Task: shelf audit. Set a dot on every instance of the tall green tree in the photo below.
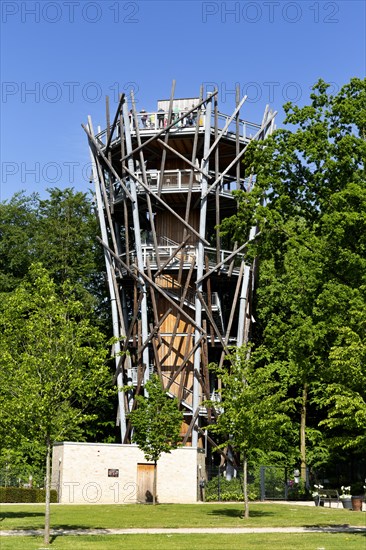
(18, 226)
(309, 202)
(53, 366)
(156, 424)
(60, 231)
(66, 242)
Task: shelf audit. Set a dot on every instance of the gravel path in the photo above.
(186, 530)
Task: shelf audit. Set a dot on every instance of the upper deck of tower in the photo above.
(176, 150)
(185, 122)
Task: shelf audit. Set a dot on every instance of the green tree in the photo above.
(53, 367)
(254, 410)
(66, 243)
(156, 423)
(309, 202)
(60, 232)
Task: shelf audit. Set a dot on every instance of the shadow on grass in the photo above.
(238, 513)
(337, 528)
(58, 531)
(8, 515)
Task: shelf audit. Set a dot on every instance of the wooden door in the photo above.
(145, 482)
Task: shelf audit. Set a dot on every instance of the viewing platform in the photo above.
(178, 181)
(184, 257)
(149, 123)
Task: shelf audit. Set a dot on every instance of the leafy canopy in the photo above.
(254, 406)
(156, 421)
(52, 363)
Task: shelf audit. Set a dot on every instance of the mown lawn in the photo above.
(195, 515)
(272, 541)
(175, 515)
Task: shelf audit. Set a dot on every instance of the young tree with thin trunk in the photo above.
(254, 408)
(156, 424)
(52, 366)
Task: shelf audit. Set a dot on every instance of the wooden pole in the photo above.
(211, 319)
(138, 246)
(231, 268)
(163, 158)
(154, 331)
(200, 262)
(217, 194)
(228, 122)
(182, 157)
(108, 263)
(190, 427)
(144, 177)
(209, 300)
(172, 255)
(108, 123)
(153, 299)
(94, 144)
(191, 176)
(232, 312)
(114, 124)
(237, 134)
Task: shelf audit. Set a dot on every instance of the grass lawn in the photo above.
(274, 541)
(126, 516)
(173, 515)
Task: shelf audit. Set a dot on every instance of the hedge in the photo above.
(227, 490)
(25, 494)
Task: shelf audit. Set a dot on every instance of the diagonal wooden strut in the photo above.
(94, 145)
(115, 120)
(228, 258)
(239, 155)
(165, 205)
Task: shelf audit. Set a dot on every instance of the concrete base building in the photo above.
(93, 473)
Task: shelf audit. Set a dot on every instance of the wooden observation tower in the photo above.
(164, 183)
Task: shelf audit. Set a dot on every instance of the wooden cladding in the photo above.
(167, 225)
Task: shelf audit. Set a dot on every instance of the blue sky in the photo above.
(59, 59)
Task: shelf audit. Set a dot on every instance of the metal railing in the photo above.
(133, 373)
(172, 179)
(155, 121)
(176, 180)
(185, 254)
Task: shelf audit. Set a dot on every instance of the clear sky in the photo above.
(60, 58)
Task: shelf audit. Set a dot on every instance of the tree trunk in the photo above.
(48, 494)
(245, 485)
(154, 484)
(302, 432)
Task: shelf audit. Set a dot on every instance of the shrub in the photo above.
(219, 488)
(298, 491)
